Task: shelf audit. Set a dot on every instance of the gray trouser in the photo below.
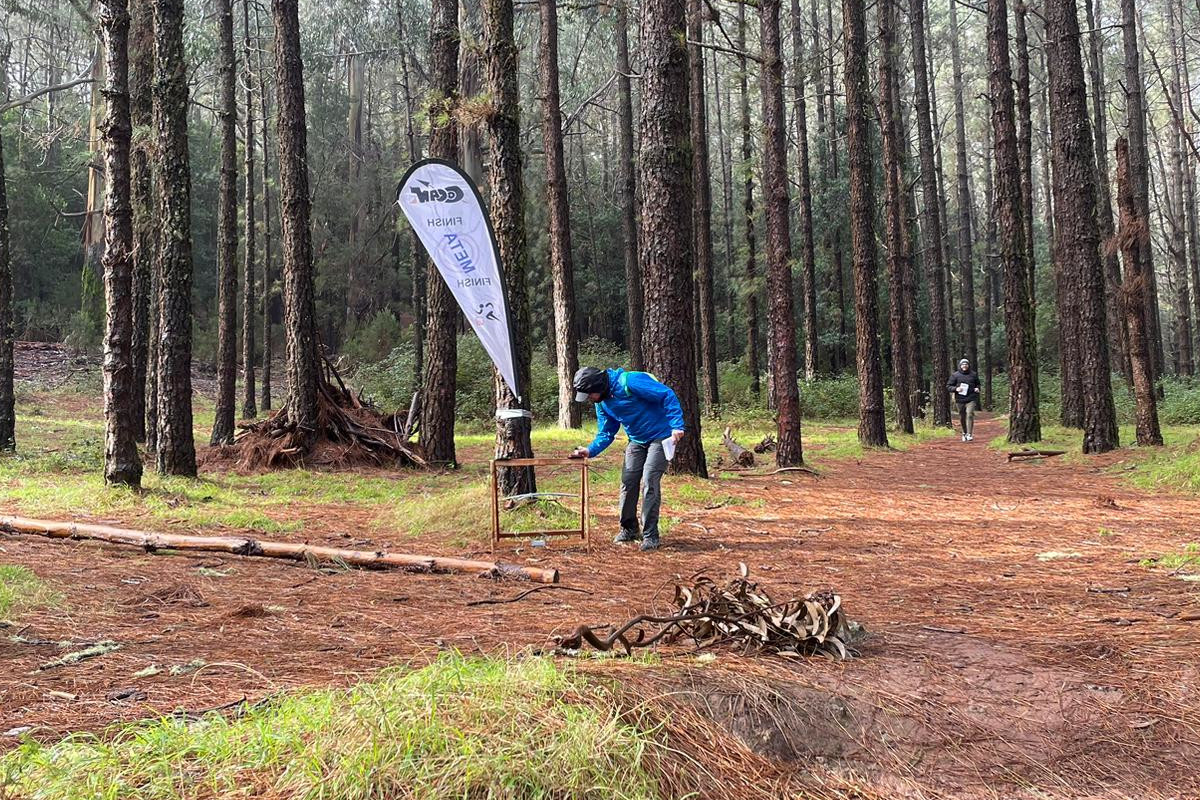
(966, 417)
(644, 465)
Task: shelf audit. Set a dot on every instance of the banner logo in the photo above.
(428, 193)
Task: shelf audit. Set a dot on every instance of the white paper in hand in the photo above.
(669, 448)
(963, 388)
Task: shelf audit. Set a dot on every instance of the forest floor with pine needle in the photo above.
(1034, 628)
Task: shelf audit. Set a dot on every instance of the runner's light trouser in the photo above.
(966, 417)
(644, 468)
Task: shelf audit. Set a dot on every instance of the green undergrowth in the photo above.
(1173, 467)
(1186, 560)
(458, 728)
(21, 591)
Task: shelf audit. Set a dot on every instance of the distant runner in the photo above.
(965, 386)
(653, 421)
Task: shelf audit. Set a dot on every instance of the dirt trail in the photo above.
(988, 670)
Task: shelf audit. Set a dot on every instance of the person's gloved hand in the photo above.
(579, 452)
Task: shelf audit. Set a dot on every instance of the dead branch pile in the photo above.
(738, 612)
(767, 445)
(351, 431)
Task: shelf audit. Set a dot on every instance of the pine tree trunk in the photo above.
(897, 229)
(989, 267)
(176, 447)
(966, 265)
(931, 226)
(507, 199)
(1134, 236)
(303, 366)
(872, 421)
(1104, 210)
(8, 414)
(780, 309)
(355, 307)
(818, 70)
(628, 193)
(954, 335)
(1024, 423)
(725, 147)
(417, 258)
(122, 464)
(1178, 214)
(562, 268)
(836, 231)
(913, 322)
(1139, 174)
(265, 396)
(809, 263)
(141, 74)
(1024, 110)
(441, 311)
(666, 235)
(222, 432)
(249, 304)
(1193, 228)
(750, 272)
(1077, 245)
(702, 205)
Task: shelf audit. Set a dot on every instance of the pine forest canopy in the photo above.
(776, 190)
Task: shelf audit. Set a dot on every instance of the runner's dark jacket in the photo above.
(969, 378)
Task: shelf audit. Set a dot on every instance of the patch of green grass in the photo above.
(460, 727)
(1186, 560)
(21, 590)
(1175, 466)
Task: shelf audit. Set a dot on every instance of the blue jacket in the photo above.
(649, 410)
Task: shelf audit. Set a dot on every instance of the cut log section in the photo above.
(1029, 454)
(246, 546)
(741, 456)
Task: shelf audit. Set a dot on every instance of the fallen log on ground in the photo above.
(1031, 454)
(294, 551)
(741, 456)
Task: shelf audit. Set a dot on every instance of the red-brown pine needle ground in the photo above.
(987, 671)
